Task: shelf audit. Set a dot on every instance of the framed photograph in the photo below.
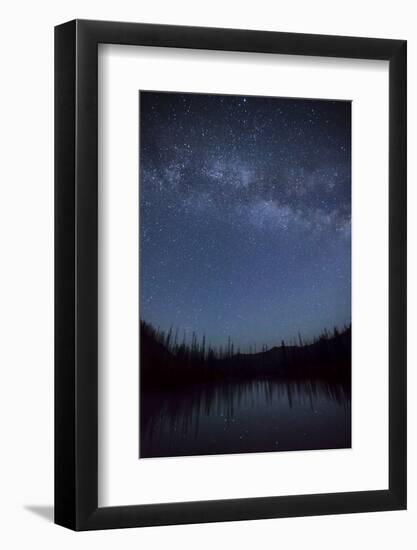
(230, 255)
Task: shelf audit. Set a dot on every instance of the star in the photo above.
(245, 214)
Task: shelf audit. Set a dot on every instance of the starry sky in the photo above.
(245, 216)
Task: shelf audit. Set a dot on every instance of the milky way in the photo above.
(245, 216)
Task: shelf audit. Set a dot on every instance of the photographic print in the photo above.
(245, 274)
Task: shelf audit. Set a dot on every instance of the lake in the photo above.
(255, 416)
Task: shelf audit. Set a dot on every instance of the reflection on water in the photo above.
(256, 416)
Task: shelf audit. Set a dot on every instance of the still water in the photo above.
(256, 416)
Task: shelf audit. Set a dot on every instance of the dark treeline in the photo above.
(168, 360)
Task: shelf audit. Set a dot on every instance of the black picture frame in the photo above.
(76, 271)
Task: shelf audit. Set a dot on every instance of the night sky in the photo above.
(245, 216)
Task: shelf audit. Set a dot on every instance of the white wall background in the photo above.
(26, 272)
